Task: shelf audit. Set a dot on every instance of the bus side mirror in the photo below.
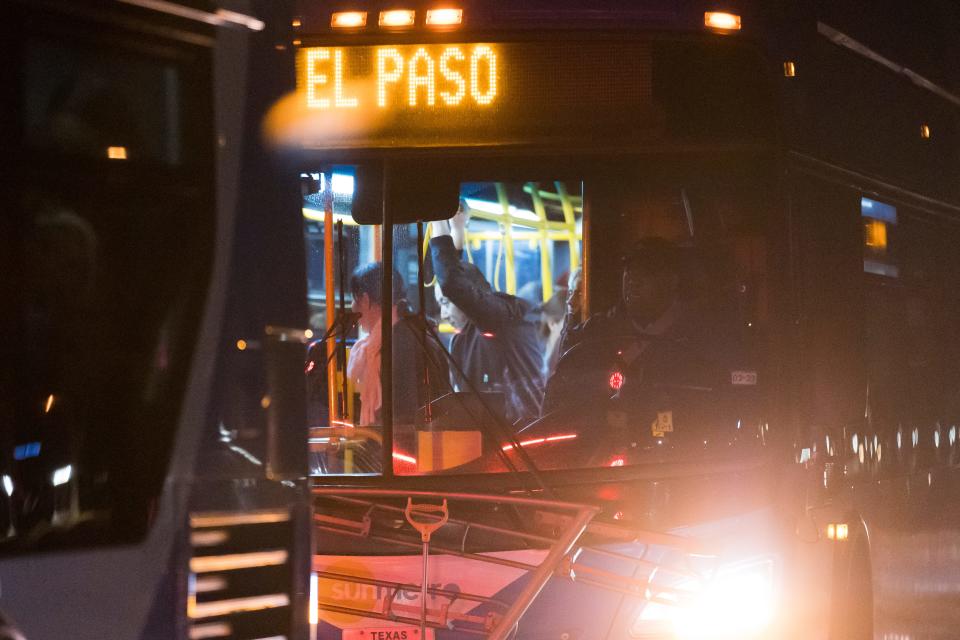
(286, 403)
(419, 191)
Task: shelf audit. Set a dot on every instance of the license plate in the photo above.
(387, 633)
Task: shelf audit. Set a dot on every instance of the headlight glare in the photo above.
(739, 603)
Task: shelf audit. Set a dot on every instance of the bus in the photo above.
(671, 299)
(768, 450)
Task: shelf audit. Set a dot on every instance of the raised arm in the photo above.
(463, 284)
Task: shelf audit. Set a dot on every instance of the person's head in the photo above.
(651, 278)
(450, 312)
(367, 295)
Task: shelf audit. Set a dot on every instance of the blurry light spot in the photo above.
(936, 438)
(265, 402)
(62, 475)
(117, 153)
(48, 404)
(854, 442)
(838, 531)
(616, 380)
(404, 458)
(26, 451)
(314, 600)
(875, 234)
(308, 334)
(861, 454)
(618, 515)
(789, 69)
(342, 184)
(241, 345)
(8, 484)
(925, 131)
(297, 43)
(296, 23)
(953, 435)
(242, 19)
(618, 461)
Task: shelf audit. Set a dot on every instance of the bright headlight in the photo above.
(738, 603)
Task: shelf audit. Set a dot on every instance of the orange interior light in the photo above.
(397, 18)
(875, 234)
(348, 19)
(721, 21)
(444, 17)
(117, 153)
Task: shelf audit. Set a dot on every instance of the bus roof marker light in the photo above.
(397, 18)
(444, 17)
(348, 20)
(721, 21)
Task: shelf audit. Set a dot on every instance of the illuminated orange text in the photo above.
(400, 76)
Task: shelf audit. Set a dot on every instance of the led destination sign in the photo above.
(610, 92)
(446, 76)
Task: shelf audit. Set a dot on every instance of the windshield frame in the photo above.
(498, 164)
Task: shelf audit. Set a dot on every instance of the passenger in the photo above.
(411, 362)
(650, 307)
(496, 344)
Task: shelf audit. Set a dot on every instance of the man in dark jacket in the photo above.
(651, 333)
(496, 344)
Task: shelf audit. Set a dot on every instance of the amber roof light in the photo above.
(396, 18)
(721, 21)
(444, 17)
(348, 20)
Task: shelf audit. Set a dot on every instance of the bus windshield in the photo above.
(611, 318)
